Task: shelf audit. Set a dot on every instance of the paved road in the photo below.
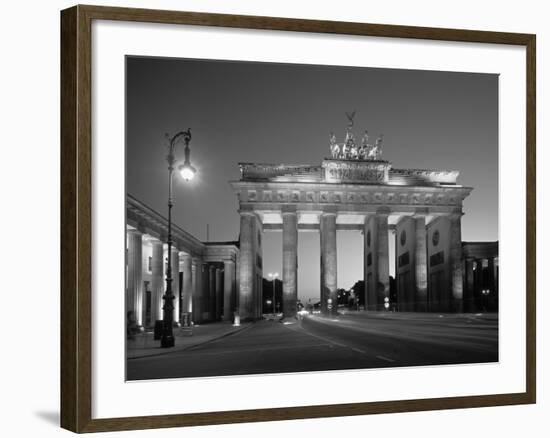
(348, 341)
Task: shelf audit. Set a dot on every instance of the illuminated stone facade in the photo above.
(206, 282)
(365, 195)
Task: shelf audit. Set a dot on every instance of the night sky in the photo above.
(283, 113)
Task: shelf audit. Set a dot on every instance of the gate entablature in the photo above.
(268, 196)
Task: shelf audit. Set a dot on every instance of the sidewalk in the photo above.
(143, 345)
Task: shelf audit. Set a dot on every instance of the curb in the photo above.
(225, 335)
(189, 347)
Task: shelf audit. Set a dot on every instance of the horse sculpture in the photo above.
(376, 151)
(334, 148)
(349, 150)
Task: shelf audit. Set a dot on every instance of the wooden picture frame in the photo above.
(76, 217)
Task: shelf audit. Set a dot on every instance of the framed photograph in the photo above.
(269, 218)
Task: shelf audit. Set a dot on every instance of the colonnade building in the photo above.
(206, 284)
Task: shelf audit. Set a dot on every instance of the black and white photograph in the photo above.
(291, 218)
(275, 219)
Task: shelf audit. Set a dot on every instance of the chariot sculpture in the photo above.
(350, 150)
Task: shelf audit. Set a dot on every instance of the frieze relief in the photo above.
(351, 171)
(351, 197)
(281, 196)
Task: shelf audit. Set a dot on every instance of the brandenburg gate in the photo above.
(355, 189)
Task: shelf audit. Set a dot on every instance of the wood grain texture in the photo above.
(68, 347)
(531, 218)
(76, 222)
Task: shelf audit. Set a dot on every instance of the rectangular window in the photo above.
(150, 264)
(437, 258)
(369, 259)
(403, 259)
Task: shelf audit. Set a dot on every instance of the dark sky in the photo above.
(283, 113)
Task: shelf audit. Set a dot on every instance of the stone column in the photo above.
(290, 263)
(421, 265)
(491, 276)
(175, 261)
(328, 263)
(491, 284)
(134, 292)
(186, 288)
(228, 289)
(211, 292)
(383, 260)
(219, 294)
(157, 280)
(456, 263)
(469, 305)
(369, 246)
(246, 264)
(197, 300)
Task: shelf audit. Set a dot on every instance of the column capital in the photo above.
(456, 214)
(329, 210)
(383, 211)
(421, 213)
(134, 231)
(154, 241)
(288, 209)
(246, 209)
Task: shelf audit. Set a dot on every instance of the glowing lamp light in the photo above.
(187, 171)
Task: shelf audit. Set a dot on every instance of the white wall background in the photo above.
(29, 181)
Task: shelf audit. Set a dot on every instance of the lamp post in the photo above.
(273, 276)
(187, 172)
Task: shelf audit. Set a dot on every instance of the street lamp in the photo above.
(187, 172)
(273, 276)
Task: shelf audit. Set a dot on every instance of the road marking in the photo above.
(320, 337)
(385, 358)
(358, 350)
(255, 349)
